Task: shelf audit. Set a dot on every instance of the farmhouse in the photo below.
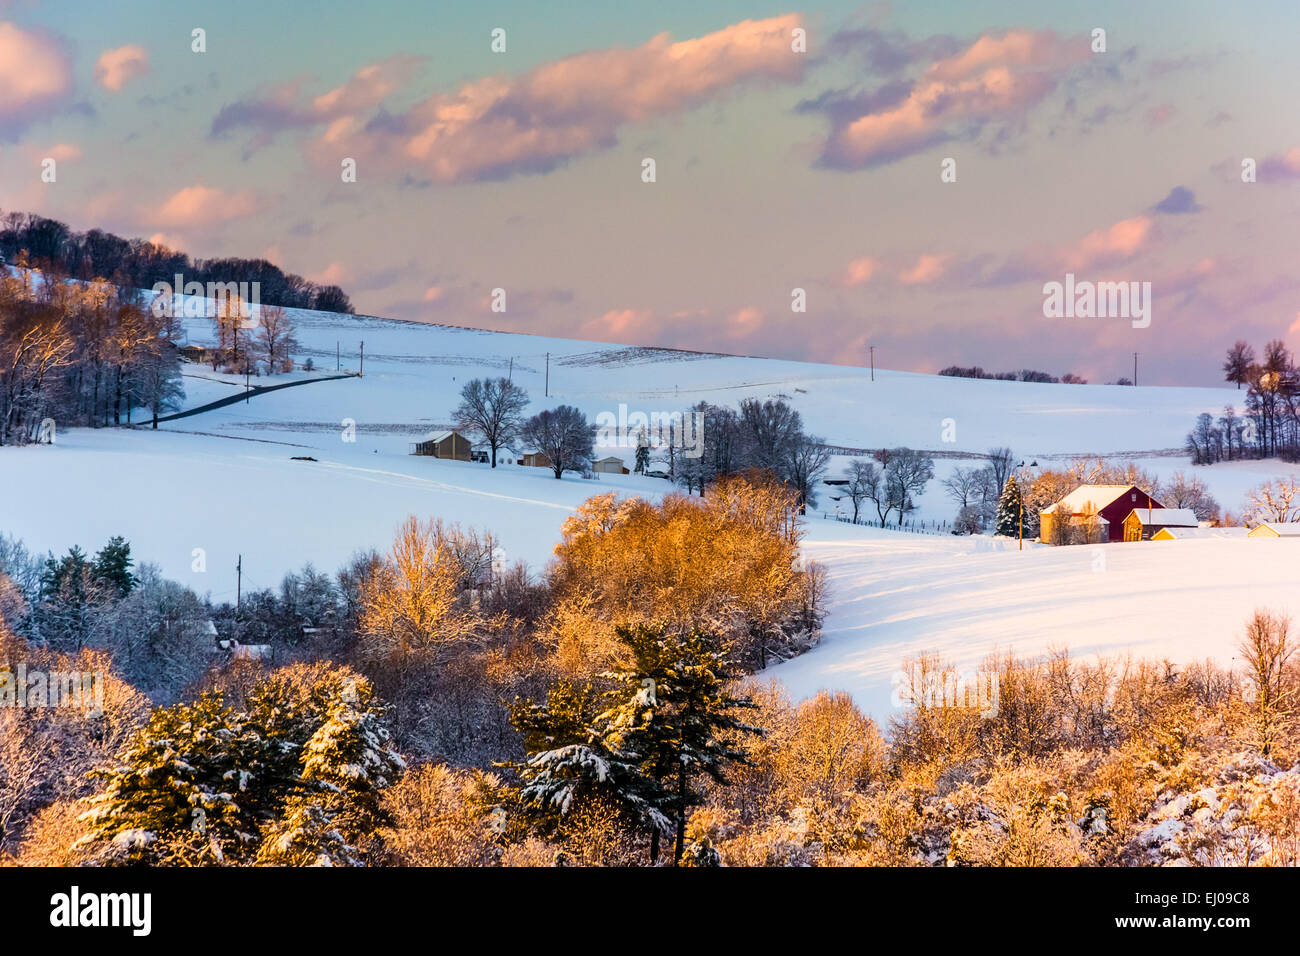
(1276, 529)
(613, 465)
(446, 444)
(1142, 523)
(1110, 503)
(196, 354)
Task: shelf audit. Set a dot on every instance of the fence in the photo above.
(912, 527)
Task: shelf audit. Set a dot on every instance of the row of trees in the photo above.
(1270, 423)
(764, 435)
(27, 238)
(80, 354)
(1023, 375)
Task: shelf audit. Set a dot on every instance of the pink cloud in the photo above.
(35, 73)
(501, 126)
(115, 68)
(997, 77)
(1284, 166)
(282, 107)
(927, 269)
(199, 205)
(1160, 115)
(859, 272)
(1117, 243)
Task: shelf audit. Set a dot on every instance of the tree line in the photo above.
(29, 239)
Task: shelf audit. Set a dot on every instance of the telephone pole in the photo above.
(1135, 369)
(548, 375)
(361, 373)
(872, 350)
(239, 579)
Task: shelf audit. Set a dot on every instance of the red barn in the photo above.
(1112, 504)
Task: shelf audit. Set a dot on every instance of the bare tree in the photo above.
(865, 482)
(1267, 649)
(274, 339)
(564, 435)
(1237, 366)
(492, 407)
(805, 463)
(1277, 500)
(1000, 460)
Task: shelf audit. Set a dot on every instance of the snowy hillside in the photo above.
(225, 482)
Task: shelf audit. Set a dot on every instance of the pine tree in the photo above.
(1008, 518)
(569, 761)
(113, 565)
(672, 710)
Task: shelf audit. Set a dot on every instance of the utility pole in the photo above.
(548, 375)
(511, 373)
(338, 357)
(239, 579)
(247, 369)
(872, 350)
(1135, 369)
(361, 373)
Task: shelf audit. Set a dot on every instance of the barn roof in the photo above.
(439, 436)
(1179, 517)
(609, 458)
(1191, 533)
(1099, 496)
(1284, 529)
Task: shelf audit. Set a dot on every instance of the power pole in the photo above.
(361, 373)
(511, 373)
(1135, 369)
(239, 579)
(872, 350)
(338, 357)
(548, 375)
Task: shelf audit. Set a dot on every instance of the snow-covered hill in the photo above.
(201, 490)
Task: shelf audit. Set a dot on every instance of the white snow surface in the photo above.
(202, 490)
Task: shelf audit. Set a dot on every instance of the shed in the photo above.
(1276, 529)
(445, 444)
(613, 465)
(1142, 523)
(1191, 534)
(536, 459)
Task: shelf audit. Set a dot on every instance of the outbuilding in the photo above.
(1276, 529)
(1142, 523)
(446, 444)
(613, 465)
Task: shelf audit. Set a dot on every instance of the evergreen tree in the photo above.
(569, 761)
(642, 453)
(1008, 518)
(113, 565)
(671, 709)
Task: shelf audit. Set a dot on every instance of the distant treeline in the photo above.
(138, 263)
(1024, 375)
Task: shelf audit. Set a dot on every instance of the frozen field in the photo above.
(225, 482)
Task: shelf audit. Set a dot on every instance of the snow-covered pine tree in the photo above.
(1007, 522)
(113, 565)
(569, 761)
(672, 709)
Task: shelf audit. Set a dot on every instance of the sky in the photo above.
(793, 148)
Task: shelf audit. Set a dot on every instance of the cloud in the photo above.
(1109, 246)
(284, 107)
(1283, 167)
(200, 205)
(35, 74)
(1158, 116)
(927, 269)
(1180, 201)
(498, 126)
(859, 272)
(997, 78)
(115, 68)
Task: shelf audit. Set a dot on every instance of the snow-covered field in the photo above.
(225, 482)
